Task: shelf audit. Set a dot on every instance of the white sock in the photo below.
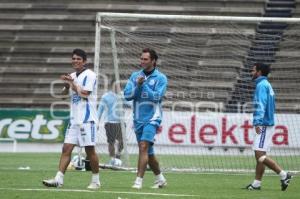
(256, 183)
(160, 177)
(95, 178)
(59, 177)
(282, 174)
(138, 180)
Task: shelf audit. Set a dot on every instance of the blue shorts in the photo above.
(146, 133)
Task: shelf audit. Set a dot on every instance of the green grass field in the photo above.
(15, 183)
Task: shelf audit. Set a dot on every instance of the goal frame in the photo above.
(100, 15)
(99, 27)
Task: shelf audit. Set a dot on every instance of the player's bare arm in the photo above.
(65, 89)
(70, 81)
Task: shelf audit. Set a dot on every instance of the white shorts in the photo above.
(81, 135)
(262, 141)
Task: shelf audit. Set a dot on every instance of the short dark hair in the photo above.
(264, 68)
(81, 53)
(153, 54)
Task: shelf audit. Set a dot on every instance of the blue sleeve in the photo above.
(132, 90)
(127, 104)
(101, 108)
(157, 94)
(261, 98)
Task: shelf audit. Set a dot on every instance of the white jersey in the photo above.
(83, 110)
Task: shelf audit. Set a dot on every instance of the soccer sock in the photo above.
(282, 174)
(160, 177)
(138, 180)
(59, 177)
(256, 183)
(95, 178)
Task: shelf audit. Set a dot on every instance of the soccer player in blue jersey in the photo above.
(146, 88)
(263, 122)
(110, 108)
(83, 119)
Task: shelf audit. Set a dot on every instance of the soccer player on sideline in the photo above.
(263, 121)
(146, 88)
(83, 118)
(110, 105)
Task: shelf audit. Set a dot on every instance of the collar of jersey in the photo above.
(152, 74)
(259, 79)
(77, 74)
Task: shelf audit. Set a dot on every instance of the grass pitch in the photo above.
(16, 183)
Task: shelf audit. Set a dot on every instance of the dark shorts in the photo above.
(113, 132)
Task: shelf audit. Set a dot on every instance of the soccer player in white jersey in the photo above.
(263, 122)
(83, 117)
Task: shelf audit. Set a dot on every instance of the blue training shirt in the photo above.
(109, 105)
(146, 98)
(264, 103)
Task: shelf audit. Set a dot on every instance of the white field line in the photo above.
(100, 191)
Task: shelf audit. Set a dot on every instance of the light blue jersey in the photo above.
(264, 103)
(146, 98)
(109, 105)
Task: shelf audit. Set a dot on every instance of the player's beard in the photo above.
(254, 76)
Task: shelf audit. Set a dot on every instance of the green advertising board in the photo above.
(33, 125)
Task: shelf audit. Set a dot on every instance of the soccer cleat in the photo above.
(52, 183)
(137, 185)
(251, 187)
(159, 184)
(94, 186)
(286, 181)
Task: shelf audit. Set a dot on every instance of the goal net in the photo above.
(207, 120)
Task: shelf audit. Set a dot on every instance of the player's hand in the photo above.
(66, 78)
(257, 130)
(140, 80)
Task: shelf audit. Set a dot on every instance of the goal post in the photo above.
(207, 120)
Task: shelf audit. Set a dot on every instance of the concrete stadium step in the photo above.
(46, 30)
(272, 26)
(16, 6)
(270, 32)
(190, 7)
(204, 84)
(13, 92)
(35, 70)
(281, 3)
(292, 53)
(264, 47)
(200, 94)
(264, 42)
(286, 84)
(287, 99)
(287, 65)
(278, 13)
(24, 80)
(266, 53)
(26, 102)
(288, 108)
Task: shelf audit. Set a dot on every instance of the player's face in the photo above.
(146, 62)
(77, 62)
(255, 73)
